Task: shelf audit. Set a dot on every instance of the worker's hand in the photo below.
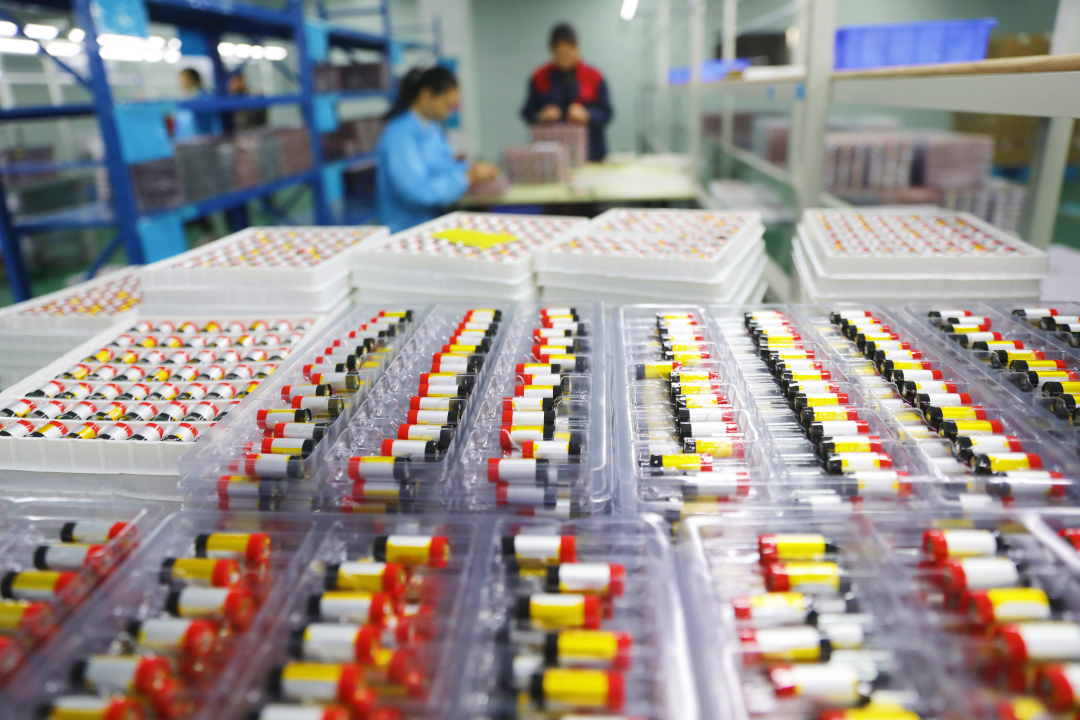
(549, 113)
(482, 172)
(577, 113)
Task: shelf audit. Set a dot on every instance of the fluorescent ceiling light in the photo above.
(8, 29)
(172, 56)
(152, 55)
(121, 41)
(40, 32)
(226, 49)
(77, 35)
(629, 7)
(61, 48)
(111, 52)
(257, 52)
(243, 51)
(276, 53)
(155, 42)
(173, 44)
(18, 46)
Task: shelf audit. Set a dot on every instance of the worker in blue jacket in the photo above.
(568, 90)
(417, 175)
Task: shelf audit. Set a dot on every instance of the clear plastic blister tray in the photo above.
(402, 637)
(607, 640)
(696, 246)
(539, 443)
(54, 555)
(212, 359)
(179, 625)
(302, 259)
(1046, 319)
(1043, 375)
(692, 447)
(965, 433)
(901, 243)
(792, 618)
(215, 473)
(396, 452)
(489, 247)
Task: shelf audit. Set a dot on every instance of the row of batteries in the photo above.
(812, 634)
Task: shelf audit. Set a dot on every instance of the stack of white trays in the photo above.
(891, 255)
(36, 332)
(294, 269)
(643, 255)
(457, 257)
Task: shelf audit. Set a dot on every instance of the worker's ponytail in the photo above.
(437, 78)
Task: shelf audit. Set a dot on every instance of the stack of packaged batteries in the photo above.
(795, 619)
(36, 332)
(300, 269)
(55, 556)
(684, 439)
(397, 451)
(168, 637)
(657, 255)
(572, 136)
(576, 621)
(539, 444)
(538, 162)
(980, 446)
(896, 257)
(267, 455)
(123, 407)
(458, 256)
(1033, 366)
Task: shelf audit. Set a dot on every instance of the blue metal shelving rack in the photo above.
(213, 18)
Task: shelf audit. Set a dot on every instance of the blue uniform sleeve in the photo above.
(414, 181)
(534, 103)
(600, 112)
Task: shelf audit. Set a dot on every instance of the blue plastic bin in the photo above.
(916, 43)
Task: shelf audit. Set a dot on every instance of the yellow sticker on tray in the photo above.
(474, 238)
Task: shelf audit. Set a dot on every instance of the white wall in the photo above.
(512, 40)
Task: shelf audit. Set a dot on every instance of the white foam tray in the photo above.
(895, 292)
(165, 274)
(369, 259)
(1035, 264)
(495, 286)
(651, 268)
(13, 321)
(525, 293)
(960, 286)
(750, 257)
(103, 458)
(246, 299)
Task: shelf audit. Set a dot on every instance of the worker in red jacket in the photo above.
(568, 90)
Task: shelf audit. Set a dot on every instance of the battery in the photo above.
(270, 466)
(335, 643)
(235, 605)
(850, 462)
(200, 572)
(92, 707)
(715, 486)
(426, 550)
(43, 585)
(303, 431)
(850, 444)
(268, 419)
(324, 683)
(441, 436)
(833, 683)
(1037, 642)
(366, 608)
(322, 406)
(1004, 462)
(787, 547)
(379, 468)
(604, 579)
(534, 550)
(22, 617)
(73, 556)
(367, 577)
(806, 577)
(563, 690)
(1000, 605)
(944, 544)
(558, 611)
(550, 449)
(954, 428)
(194, 639)
(980, 573)
(117, 431)
(145, 675)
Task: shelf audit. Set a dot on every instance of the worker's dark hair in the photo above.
(438, 79)
(193, 75)
(563, 33)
